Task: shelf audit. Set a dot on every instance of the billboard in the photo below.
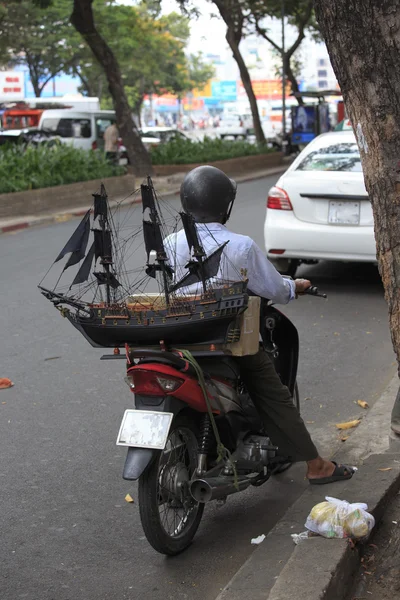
(265, 89)
(11, 86)
(225, 90)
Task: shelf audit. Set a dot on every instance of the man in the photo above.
(111, 143)
(208, 195)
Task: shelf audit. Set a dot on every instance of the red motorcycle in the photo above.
(189, 444)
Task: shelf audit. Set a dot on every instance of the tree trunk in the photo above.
(34, 81)
(293, 81)
(363, 40)
(83, 21)
(246, 80)
(137, 109)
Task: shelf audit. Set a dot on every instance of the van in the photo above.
(80, 129)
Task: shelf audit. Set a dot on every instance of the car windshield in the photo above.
(337, 157)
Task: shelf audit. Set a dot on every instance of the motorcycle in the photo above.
(189, 445)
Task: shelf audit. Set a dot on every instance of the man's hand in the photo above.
(302, 285)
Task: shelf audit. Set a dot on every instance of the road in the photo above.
(67, 532)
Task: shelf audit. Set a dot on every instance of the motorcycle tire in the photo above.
(286, 465)
(165, 485)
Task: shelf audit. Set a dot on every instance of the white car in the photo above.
(319, 208)
(236, 126)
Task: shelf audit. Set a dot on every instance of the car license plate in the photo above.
(344, 213)
(144, 429)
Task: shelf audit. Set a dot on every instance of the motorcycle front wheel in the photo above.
(169, 515)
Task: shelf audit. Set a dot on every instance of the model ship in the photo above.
(198, 308)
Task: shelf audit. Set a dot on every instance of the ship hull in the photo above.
(215, 322)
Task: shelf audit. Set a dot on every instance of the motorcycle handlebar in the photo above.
(314, 291)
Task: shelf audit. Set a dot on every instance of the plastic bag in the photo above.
(340, 519)
(300, 537)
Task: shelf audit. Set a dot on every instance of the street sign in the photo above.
(11, 86)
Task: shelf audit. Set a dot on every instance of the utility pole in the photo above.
(283, 71)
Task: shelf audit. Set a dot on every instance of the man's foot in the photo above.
(321, 471)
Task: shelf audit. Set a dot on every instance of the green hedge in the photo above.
(182, 152)
(40, 167)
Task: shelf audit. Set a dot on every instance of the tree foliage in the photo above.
(298, 13)
(35, 38)
(150, 51)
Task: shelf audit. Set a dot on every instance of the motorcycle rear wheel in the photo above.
(169, 515)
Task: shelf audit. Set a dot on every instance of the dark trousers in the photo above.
(274, 403)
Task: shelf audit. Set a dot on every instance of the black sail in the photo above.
(77, 240)
(153, 240)
(78, 254)
(107, 279)
(102, 243)
(208, 269)
(84, 271)
(148, 197)
(191, 234)
(100, 204)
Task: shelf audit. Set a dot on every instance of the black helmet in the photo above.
(208, 194)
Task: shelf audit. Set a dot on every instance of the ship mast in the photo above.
(102, 243)
(153, 239)
(198, 250)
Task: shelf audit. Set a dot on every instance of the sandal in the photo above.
(341, 473)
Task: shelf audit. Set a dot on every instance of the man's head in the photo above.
(208, 195)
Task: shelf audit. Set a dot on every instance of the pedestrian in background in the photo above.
(111, 136)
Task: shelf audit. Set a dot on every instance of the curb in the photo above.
(66, 216)
(319, 568)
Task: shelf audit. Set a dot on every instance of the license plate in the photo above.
(344, 213)
(144, 429)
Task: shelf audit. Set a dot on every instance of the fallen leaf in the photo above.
(343, 439)
(349, 424)
(369, 332)
(385, 469)
(394, 522)
(5, 383)
(4, 402)
(336, 333)
(52, 358)
(129, 498)
(362, 403)
(310, 422)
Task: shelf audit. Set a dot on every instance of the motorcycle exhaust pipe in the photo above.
(214, 488)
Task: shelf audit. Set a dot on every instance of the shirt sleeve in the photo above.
(264, 279)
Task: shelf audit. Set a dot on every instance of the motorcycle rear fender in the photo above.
(286, 337)
(138, 459)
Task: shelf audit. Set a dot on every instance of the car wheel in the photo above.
(286, 266)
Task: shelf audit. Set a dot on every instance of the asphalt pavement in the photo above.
(67, 532)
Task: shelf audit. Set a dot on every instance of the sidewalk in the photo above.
(319, 568)
(165, 186)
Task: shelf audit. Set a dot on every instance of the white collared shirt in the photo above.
(241, 259)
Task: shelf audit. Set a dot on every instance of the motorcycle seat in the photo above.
(224, 368)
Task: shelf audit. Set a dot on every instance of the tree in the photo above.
(31, 37)
(299, 14)
(83, 20)
(232, 13)
(150, 52)
(363, 40)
